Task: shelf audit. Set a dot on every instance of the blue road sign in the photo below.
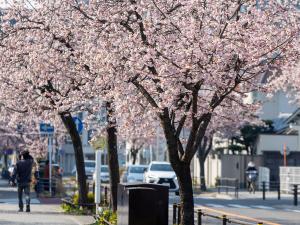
(79, 124)
(46, 128)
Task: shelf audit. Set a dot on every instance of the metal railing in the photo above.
(270, 186)
(293, 188)
(228, 184)
(223, 219)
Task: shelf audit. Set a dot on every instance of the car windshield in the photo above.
(89, 164)
(137, 169)
(104, 169)
(161, 167)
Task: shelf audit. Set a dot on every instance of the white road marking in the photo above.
(215, 205)
(297, 211)
(239, 206)
(262, 207)
(204, 197)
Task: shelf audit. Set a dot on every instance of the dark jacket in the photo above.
(23, 171)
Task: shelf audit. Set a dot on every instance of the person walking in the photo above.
(22, 173)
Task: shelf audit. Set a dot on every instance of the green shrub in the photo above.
(71, 210)
(107, 215)
(79, 210)
(75, 198)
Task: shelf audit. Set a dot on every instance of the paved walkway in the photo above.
(41, 213)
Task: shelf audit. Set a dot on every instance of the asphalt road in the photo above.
(251, 210)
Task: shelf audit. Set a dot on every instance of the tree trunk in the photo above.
(186, 194)
(5, 162)
(79, 157)
(113, 162)
(202, 173)
(134, 156)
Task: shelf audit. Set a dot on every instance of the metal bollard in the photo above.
(199, 213)
(264, 190)
(179, 214)
(295, 194)
(174, 213)
(224, 219)
(237, 188)
(105, 196)
(278, 191)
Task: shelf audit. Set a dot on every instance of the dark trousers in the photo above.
(26, 189)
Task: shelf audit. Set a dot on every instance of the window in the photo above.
(136, 169)
(161, 167)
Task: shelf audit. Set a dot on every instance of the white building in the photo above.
(271, 146)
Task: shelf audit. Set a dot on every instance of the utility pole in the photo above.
(50, 144)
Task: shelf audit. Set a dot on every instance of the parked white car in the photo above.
(162, 173)
(135, 173)
(104, 176)
(90, 166)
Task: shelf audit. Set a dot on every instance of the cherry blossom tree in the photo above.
(45, 72)
(39, 73)
(286, 78)
(190, 60)
(224, 128)
(137, 127)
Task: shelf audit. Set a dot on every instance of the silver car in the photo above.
(89, 168)
(135, 173)
(104, 176)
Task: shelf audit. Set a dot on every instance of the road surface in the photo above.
(249, 209)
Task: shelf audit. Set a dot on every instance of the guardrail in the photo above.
(228, 184)
(223, 219)
(294, 189)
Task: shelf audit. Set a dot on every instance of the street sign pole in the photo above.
(284, 155)
(50, 163)
(48, 130)
(98, 180)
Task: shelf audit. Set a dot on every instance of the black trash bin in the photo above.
(158, 205)
(137, 206)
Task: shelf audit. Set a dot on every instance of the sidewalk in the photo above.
(40, 214)
(44, 211)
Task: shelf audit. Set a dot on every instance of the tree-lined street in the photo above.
(182, 67)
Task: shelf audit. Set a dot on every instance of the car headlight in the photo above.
(152, 179)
